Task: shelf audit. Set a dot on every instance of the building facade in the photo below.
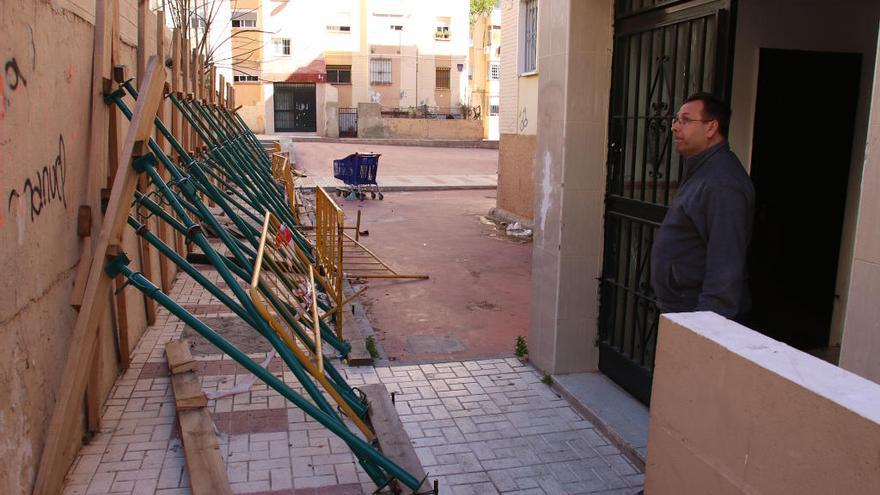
(485, 71)
(518, 120)
(613, 73)
(294, 63)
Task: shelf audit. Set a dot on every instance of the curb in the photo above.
(625, 447)
(426, 143)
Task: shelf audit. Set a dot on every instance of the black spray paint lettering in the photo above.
(11, 68)
(47, 185)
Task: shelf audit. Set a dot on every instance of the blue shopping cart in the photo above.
(358, 172)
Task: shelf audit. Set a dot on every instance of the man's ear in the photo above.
(712, 129)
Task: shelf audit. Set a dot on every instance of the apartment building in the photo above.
(292, 61)
(485, 71)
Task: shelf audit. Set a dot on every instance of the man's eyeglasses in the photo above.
(685, 121)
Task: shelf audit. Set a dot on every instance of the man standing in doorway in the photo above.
(698, 261)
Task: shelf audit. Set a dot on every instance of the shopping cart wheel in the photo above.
(372, 195)
(381, 196)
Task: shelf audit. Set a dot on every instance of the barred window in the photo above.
(530, 35)
(339, 74)
(442, 77)
(494, 107)
(494, 71)
(380, 71)
(282, 46)
(245, 78)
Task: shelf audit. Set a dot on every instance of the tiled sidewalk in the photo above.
(480, 427)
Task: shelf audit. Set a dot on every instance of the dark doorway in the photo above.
(663, 51)
(294, 107)
(804, 119)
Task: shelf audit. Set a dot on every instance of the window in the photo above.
(339, 74)
(530, 36)
(340, 23)
(244, 19)
(197, 22)
(282, 46)
(494, 71)
(442, 32)
(442, 74)
(494, 107)
(245, 78)
(380, 71)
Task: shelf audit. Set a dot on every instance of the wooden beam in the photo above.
(201, 451)
(166, 268)
(93, 391)
(121, 311)
(59, 450)
(142, 10)
(393, 439)
(179, 357)
(221, 100)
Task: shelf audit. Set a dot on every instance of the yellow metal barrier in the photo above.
(328, 249)
(283, 270)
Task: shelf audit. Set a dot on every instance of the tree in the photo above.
(481, 8)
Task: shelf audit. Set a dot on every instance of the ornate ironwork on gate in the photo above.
(348, 122)
(663, 51)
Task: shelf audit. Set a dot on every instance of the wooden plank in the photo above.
(394, 442)
(121, 311)
(179, 357)
(201, 450)
(93, 391)
(82, 275)
(166, 267)
(188, 392)
(59, 450)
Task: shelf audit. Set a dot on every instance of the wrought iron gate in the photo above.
(348, 122)
(663, 51)
(294, 105)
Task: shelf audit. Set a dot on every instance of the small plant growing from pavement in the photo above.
(371, 347)
(521, 349)
(547, 379)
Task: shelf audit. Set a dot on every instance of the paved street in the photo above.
(480, 426)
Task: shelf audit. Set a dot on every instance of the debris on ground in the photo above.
(517, 230)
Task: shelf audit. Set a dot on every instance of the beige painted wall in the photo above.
(733, 412)
(861, 334)
(845, 26)
(574, 57)
(471, 130)
(44, 122)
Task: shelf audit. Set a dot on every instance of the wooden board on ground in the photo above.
(393, 439)
(201, 450)
(188, 392)
(179, 357)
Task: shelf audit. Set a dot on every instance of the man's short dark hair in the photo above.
(714, 109)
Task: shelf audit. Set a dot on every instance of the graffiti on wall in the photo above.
(12, 80)
(44, 188)
(523, 120)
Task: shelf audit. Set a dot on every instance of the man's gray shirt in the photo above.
(698, 261)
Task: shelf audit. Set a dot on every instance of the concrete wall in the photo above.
(46, 49)
(845, 26)
(371, 124)
(861, 334)
(734, 412)
(574, 57)
(518, 119)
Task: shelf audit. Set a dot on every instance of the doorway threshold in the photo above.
(617, 414)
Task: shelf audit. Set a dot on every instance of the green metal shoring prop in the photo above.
(363, 450)
(147, 164)
(261, 180)
(286, 354)
(249, 140)
(336, 379)
(189, 162)
(329, 334)
(342, 347)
